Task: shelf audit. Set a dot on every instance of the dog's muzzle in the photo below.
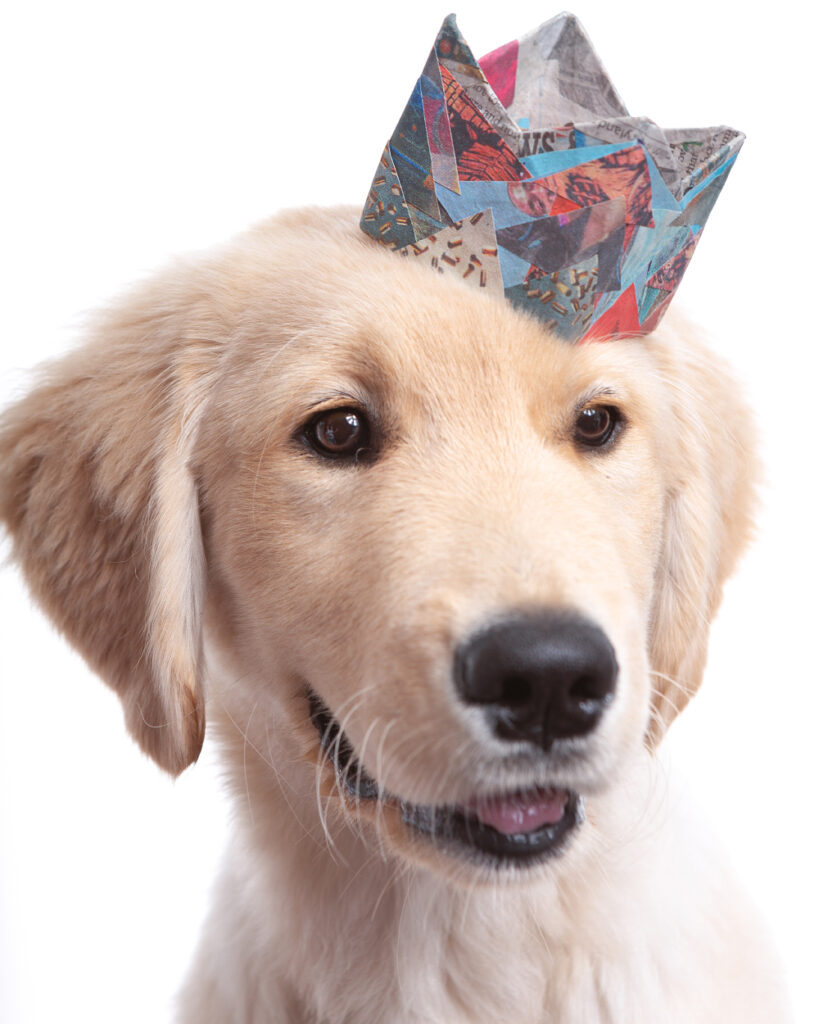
(539, 678)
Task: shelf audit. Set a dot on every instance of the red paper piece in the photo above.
(501, 70)
(481, 153)
(619, 320)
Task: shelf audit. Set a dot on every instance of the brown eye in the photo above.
(339, 433)
(596, 425)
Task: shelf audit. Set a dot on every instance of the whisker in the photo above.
(270, 763)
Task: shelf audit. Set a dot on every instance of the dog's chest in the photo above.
(487, 955)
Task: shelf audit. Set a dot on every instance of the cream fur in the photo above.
(168, 519)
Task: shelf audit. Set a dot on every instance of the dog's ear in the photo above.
(709, 501)
(97, 495)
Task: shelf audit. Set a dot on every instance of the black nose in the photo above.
(540, 677)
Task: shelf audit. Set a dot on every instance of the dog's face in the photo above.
(423, 482)
(465, 567)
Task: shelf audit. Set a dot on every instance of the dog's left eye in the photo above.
(339, 433)
(596, 425)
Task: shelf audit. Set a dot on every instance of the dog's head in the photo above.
(460, 568)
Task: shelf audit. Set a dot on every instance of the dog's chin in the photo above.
(514, 830)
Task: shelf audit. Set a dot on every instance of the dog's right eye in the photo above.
(597, 425)
(339, 434)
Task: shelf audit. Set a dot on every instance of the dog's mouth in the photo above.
(515, 828)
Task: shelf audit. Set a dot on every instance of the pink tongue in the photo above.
(520, 812)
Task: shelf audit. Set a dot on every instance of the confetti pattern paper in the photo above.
(468, 248)
(524, 175)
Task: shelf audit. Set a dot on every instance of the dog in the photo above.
(438, 583)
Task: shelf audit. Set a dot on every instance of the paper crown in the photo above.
(525, 176)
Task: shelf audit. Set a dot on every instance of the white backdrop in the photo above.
(132, 132)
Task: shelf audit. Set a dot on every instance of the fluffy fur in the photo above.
(210, 567)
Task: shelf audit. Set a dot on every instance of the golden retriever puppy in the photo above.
(437, 582)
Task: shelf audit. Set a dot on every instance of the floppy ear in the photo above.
(711, 469)
(96, 493)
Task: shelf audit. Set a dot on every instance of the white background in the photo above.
(131, 132)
